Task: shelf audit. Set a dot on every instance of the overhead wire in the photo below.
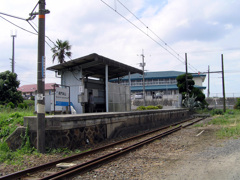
(19, 26)
(45, 36)
(28, 30)
(141, 30)
(147, 27)
(174, 53)
(32, 16)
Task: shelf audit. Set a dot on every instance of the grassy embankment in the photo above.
(10, 119)
(229, 123)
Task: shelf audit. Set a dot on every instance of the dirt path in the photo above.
(205, 158)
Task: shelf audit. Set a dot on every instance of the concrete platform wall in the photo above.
(76, 131)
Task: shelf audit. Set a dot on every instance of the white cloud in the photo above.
(203, 29)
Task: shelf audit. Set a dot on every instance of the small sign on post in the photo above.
(62, 97)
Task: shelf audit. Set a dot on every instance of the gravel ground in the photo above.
(192, 153)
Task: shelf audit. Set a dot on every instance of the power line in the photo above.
(32, 16)
(12, 16)
(140, 29)
(174, 53)
(45, 35)
(148, 28)
(28, 30)
(18, 26)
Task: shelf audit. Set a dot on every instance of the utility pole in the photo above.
(41, 78)
(223, 86)
(142, 65)
(13, 60)
(186, 78)
(208, 94)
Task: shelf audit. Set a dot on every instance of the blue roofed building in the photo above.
(158, 84)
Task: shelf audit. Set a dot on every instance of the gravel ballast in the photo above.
(192, 153)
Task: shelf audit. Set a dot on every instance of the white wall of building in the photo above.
(74, 80)
(198, 80)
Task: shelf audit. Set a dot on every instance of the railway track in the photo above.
(91, 159)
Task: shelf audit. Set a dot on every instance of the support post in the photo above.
(186, 74)
(208, 94)
(13, 60)
(69, 101)
(54, 99)
(41, 79)
(223, 85)
(142, 65)
(106, 87)
(130, 84)
(129, 79)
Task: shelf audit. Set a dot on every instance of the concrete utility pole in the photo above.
(186, 78)
(223, 86)
(208, 94)
(142, 65)
(13, 60)
(41, 79)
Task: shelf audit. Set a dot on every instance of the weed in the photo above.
(10, 105)
(217, 112)
(199, 125)
(229, 132)
(9, 121)
(237, 105)
(230, 122)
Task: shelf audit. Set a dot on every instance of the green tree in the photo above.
(8, 88)
(61, 50)
(181, 83)
(192, 91)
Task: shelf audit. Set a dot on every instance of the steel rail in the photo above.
(67, 159)
(103, 159)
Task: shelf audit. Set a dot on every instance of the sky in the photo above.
(164, 30)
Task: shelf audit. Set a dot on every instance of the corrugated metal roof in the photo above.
(159, 75)
(93, 65)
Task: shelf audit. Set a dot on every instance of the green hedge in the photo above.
(141, 108)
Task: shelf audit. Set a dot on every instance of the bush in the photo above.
(15, 115)
(151, 107)
(11, 105)
(237, 105)
(4, 132)
(22, 105)
(140, 108)
(217, 112)
(29, 102)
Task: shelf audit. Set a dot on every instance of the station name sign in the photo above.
(61, 96)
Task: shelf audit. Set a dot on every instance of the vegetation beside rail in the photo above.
(12, 117)
(229, 122)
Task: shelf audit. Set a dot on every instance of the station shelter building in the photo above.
(89, 76)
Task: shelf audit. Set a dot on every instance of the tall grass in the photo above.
(10, 119)
(229, 122)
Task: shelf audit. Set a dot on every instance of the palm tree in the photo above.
(61, 49)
